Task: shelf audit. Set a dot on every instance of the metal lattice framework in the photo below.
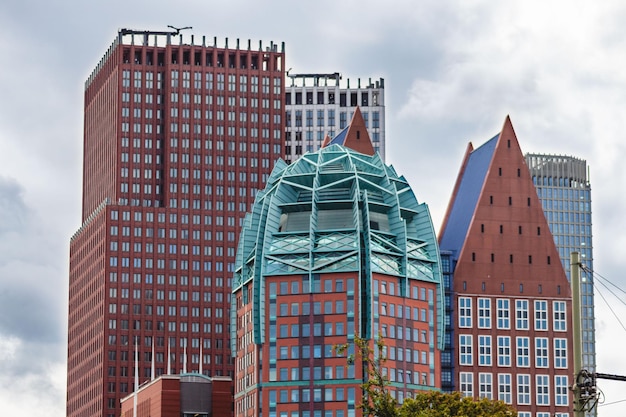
(337, 210)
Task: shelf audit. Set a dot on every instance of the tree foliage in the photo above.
(378, 401)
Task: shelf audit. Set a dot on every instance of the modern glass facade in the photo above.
(563, 187)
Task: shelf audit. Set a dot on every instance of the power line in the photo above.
(612, 402)
(611, 308)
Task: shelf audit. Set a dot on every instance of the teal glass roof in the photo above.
(337, 210)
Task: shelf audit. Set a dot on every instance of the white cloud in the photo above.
(453, 71)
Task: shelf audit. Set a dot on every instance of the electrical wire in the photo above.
(609, 290)
(611, 308)
(595, 274)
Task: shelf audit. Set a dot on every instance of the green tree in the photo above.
(378, 402)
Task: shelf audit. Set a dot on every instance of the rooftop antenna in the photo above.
(178, 29)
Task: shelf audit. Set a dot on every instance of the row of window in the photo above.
(353, 96)
(171, 249)
(485, 385)
(306, 286)
(327, 118)
(173, 280)
(503, 314)
(522, 351)
(186, 77)
(318, 373)
(307, 395)
(315, 413)
(318, 329)
(304, 308)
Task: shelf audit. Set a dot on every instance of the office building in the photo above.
(335, 246)
(507, 297)
(320, 105)
(178, 136)
(186, 395)
(562, 184)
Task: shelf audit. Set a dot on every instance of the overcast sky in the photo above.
(453, 70)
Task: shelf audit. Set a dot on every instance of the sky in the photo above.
(453, 71)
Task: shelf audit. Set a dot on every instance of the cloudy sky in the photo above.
(453, 71)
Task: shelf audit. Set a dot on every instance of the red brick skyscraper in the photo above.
(178, 137)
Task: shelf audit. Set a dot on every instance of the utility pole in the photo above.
(577, 339)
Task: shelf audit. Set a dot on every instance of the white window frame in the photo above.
(466, 384)
(521, 314)
(484, 313)
(560, 353)
(485, 385)
(523, 389)
(503, 313)
(542, 384)
(504, 351)
(541, 315)
(466, 356)
(561, 390)
(559, 316)
(465, 312)
(484, 350)
(522, 351)
(542, 356)
(505, 388)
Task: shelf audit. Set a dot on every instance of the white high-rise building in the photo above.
(317, 105)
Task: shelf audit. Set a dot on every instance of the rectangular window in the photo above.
(484, 313)
(561, 392)
(541, 352)
(523, 352)
(504, 351)
(523, 389)
(465, 349)
(504, 388)
(465, 312)
(560, 353)
(560, 323)
(521, 314)
(543, 389)
(467, 384)
(504, 320)
(541, 315)
(484, 350)
(485, 385)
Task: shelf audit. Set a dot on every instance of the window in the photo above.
(504, 388)
(504, 321)
(504, 351)
(541, 315)
(484, 313)
(484, 350)
(521, 314)
(485, 384)
(523, 389)
(561, 392)
(465, 312)
(559, 324)
(465, 344)
(541, 352)
(543, 389)
(467, 384)
(523, 352)
(560, 353)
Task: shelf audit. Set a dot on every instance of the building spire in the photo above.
(355, 136)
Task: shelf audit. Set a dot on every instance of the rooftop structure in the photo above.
(336, 246)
